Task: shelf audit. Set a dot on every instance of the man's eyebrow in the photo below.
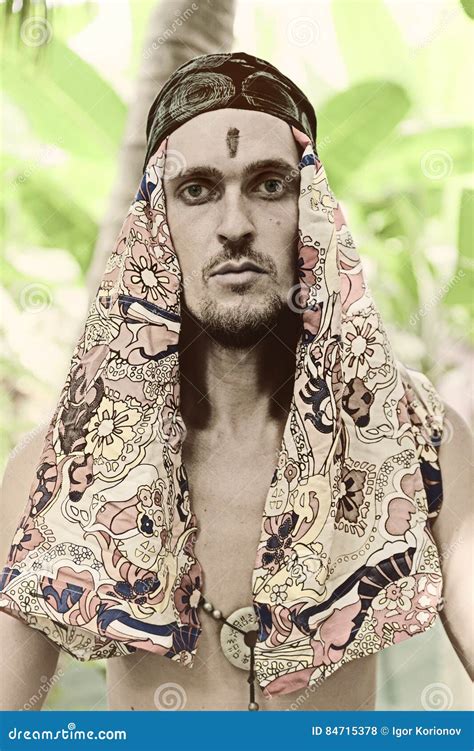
(258, 166)
(271, 164)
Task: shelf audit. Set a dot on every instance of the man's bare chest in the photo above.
(228, 487)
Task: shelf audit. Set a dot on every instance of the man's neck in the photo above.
(231, 391)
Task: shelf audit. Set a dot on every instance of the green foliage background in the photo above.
(397, 146)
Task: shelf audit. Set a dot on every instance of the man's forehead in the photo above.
(220, 129)
(232, 140)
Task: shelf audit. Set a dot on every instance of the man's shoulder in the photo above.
(457, 441)
(456, 461)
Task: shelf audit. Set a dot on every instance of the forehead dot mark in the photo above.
(232, 141)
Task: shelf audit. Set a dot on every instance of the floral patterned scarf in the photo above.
(103, 557)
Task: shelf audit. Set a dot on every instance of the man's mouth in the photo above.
(232, 272)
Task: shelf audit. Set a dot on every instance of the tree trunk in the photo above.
(178, 31)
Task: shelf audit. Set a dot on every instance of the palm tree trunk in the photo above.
(178, 31)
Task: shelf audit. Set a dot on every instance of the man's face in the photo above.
(231, 187)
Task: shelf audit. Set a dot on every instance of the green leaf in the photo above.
(45, 20)
(60, 221)
(69, 20)
(461, 289)
(354, 123)
(440, 80)
(466, 227)
(369, 38)
(66, 101)
(468, 6)
(88, 183)
(427, 159)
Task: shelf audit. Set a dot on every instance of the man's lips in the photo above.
(235, 269)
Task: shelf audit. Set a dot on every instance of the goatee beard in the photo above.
(240, 327)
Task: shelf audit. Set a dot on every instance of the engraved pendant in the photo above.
(236, 646)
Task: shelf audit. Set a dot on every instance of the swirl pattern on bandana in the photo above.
(236, 80)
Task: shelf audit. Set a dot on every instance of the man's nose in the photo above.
(235, 222)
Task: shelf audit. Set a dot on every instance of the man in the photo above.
(232, 186)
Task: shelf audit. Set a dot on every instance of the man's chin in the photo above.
(239, 325)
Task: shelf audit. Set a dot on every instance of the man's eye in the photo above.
(272, 186)
(195, 192)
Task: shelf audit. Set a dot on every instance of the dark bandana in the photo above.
(237, 80)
